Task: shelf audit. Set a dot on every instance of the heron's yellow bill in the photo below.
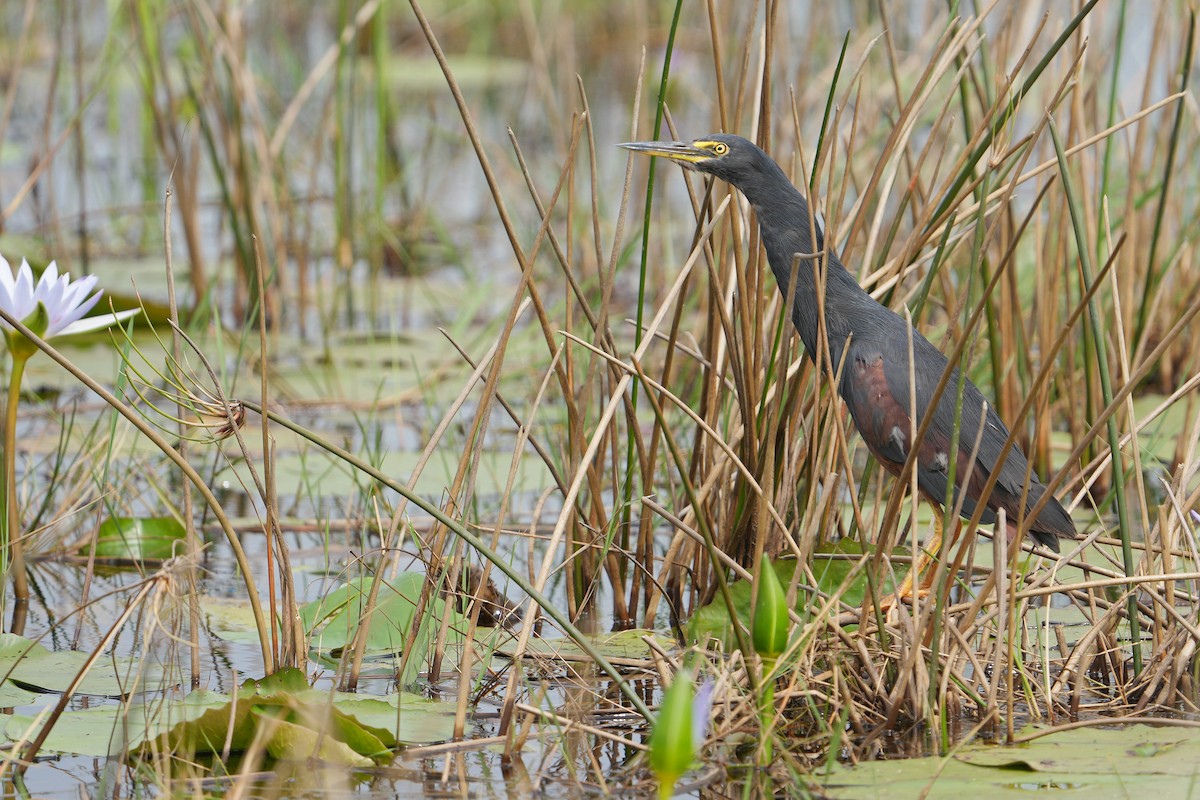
(676, 151)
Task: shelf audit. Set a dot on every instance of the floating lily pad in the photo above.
(281, 712)
(409, 719)
(621, 647)
(230, 619)
(834, 567)
(1131, 750)
(331, 622)
(31, 666)
(112, 730)
(12, 695)
(139, 538)
(1088, 763)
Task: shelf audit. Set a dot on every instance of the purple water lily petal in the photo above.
(72, 314)
(80, 289)
(6, 279)
(702, 712)
(5, 299)
(52, 294)
(23, 304)
(66, 301)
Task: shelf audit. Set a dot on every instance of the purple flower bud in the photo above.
(702, 712)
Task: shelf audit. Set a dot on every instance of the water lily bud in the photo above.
(672, 748)
(770, 623)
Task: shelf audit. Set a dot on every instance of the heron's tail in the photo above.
(1052, 523)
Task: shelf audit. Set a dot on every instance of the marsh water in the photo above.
(364, 351)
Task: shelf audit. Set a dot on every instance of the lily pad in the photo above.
(622, 647)
(331, 622)
(281, 712)
(1088, 763)
(111, 730)
(408, 719)
(1133, 750)
(834, 567)
(230, 619)
(139, 538)
(29, 665)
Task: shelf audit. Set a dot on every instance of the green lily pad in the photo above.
(139, 538)
(1132, 750)
(332, 621)
(12, 695)
(409, 719)
(621, 647)
(1137, 760)
(293, 741)
(281, 712)
(835, 569)
(92, 732)
(31, 666)
(229, 619)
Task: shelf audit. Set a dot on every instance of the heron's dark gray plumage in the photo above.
(874, 342)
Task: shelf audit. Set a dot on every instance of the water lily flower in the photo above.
(54, 306)
(702, 705)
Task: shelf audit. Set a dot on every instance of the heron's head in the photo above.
(730, 158)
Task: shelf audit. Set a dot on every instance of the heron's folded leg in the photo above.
(932, 549)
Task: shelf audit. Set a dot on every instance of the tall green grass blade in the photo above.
(968, 170)
(1153, 273)
(1096, 326)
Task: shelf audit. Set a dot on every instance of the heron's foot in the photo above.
(906, 594)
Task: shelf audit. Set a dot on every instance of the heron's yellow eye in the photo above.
(720, 148)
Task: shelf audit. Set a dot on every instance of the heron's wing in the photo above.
(875, 388)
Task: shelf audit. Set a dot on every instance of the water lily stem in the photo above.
(766, 711)
(12, 556)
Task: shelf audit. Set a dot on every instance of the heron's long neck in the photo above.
(783, 218)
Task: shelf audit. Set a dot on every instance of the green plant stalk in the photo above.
(766, 710)
(659, 112)
(11, 552)
(710, 546)
(235, 215)
(968, 169)
(1181, 108)
(949, 517)
(477, 543)
(631, 459)
(1114, 436)
(829, 98)
(1106, 169)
